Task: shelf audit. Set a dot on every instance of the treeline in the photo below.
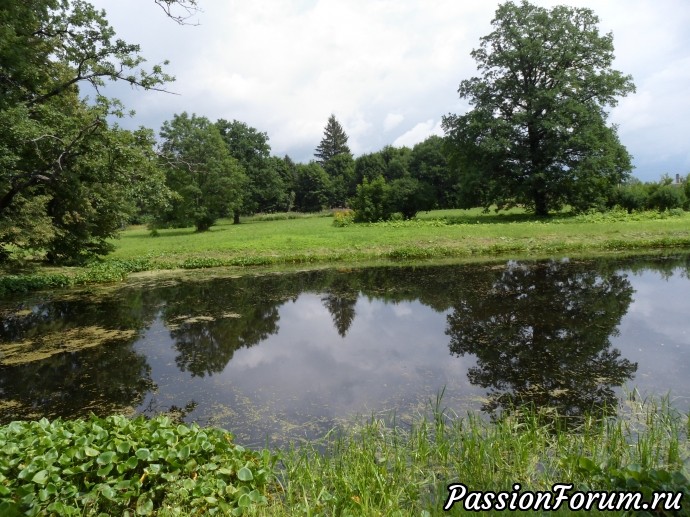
(224, 169)
(71, 178)
(666, 194)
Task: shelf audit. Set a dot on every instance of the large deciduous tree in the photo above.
(333, 143)
(537, 132)
(67, 176)
(266, 191)
(207, 180)
(312, 187)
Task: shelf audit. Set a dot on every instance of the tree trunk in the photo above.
(541, 207)
(236, 217)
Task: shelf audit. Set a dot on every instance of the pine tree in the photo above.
(333, 143)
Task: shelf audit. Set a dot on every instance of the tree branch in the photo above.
(188, 6)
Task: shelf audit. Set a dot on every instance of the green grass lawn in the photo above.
(284, 240)
(437, 234)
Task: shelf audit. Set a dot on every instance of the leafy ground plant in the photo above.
(121, 466)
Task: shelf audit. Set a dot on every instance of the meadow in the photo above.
(285, 239)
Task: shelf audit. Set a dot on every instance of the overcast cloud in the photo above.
(388, 69)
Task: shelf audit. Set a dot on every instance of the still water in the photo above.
(288, 356)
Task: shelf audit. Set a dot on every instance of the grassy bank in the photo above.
(373, 469)
(285, 239)
(439, 234)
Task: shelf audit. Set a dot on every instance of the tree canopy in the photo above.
(333, 143)
(207, 180)
(67, 175)
(537, 133)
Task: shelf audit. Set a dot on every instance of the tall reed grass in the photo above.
(379, 468)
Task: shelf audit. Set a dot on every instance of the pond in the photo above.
(279, 357)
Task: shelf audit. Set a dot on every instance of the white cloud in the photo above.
(418, 133)
(284, 67)
(392, 120)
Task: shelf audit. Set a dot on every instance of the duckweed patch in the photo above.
(65, 340)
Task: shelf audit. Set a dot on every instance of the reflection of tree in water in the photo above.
(111, 376)
(102, 379)
(340, 300)
(210, 321)
(541, 336)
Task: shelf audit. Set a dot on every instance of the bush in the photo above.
(409, 196)
(632, 196)
(370, 204)
(667, 197)
(342, 218)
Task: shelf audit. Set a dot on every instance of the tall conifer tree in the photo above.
(333, 143)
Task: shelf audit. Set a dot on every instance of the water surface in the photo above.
(288, 356)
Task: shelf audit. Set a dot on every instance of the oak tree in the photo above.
(207, 180)
(67, 174)
(537, 132)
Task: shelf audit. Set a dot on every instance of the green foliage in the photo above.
(396, 160)
(369, 166)
(667, 197)
(408, 196)
(61, 164)
(371, 201)
(313, 188)
(633, 195)
(207, 181)
(333, 143)
(33, 282)
(114, 465)
(537, 133)
(341, 170)
(631, 478)
(342, 218)
(663, 195)
(266, 189)
(429, 164)
(381, 467)
(97, 272)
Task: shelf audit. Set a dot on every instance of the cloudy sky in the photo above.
(388, 69)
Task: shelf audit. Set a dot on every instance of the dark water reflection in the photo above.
(287, 356)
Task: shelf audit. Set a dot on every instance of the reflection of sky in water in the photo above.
(394, 358)
(304, 378)
(656, 333)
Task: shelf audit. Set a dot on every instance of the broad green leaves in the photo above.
(116, 464)
(206, 180)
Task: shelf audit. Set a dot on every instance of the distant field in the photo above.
(274, 239)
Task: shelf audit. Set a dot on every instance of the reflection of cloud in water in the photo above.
(654, 332)
(402, 310)
(660, 307)
(363, 370)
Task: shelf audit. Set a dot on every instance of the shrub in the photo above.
(342, 218)
(370, 203)
(632, 196)
(409, 196)
(667, 197)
